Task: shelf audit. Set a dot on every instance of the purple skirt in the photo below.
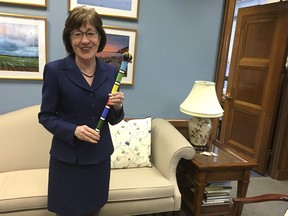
(77, 190)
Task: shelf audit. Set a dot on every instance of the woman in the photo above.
(74, 94)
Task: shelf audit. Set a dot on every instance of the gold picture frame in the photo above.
(23, 51)
(120, 9)
(120, 40)
(34, 3)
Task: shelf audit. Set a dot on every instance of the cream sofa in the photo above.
(24, 155)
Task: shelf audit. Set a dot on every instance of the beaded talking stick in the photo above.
(127, 57)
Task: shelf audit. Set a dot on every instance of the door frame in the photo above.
(227, 22)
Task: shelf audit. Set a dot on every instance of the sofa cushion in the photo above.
(23, 190)
(138, 184)
(132, 143)
(28, 189)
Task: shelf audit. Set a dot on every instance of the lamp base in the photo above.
(201, 148)
(199, 132)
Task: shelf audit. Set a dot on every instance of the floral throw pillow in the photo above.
(132, 143)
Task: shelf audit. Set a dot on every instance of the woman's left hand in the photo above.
(116, 100)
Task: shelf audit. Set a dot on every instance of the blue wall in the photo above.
(177, 44)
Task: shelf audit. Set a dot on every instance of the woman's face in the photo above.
(85, 42)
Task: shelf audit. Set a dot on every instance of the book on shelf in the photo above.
(219, 190)
(217, 187)
(211, 196)
(219, 200)
(216, 202)
(217, 193)
(212, 199)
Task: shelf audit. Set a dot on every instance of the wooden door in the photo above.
(278, 167)
(258, 56)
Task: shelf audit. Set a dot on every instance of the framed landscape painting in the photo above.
(120, 40)
(37, 3)
(22, 46)
(113, 8)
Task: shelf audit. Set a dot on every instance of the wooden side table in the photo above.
(199, 171)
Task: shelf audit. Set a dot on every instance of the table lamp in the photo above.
(202, 104)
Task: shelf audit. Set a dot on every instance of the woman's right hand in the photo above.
(86, 133)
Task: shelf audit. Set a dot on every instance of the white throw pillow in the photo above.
(132, 143)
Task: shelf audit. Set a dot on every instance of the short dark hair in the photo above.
(79, 16)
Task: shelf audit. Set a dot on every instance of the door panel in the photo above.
(254, 80)
(260, 30)
(251, 85)
(247, 124)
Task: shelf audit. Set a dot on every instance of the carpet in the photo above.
(262, 185)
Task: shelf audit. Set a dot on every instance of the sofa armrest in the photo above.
(168, 147)
(24, 142)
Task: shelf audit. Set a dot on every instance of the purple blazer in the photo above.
(69, 101)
